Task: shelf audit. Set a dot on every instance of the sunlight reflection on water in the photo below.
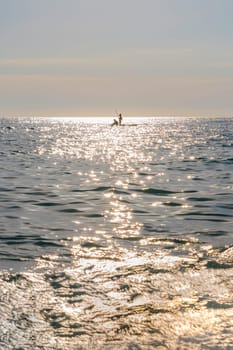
(129, 230)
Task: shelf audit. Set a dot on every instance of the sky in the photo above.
(96, 57)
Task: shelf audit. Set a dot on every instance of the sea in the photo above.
(116, 238)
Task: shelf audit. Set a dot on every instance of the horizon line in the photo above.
(112, 116)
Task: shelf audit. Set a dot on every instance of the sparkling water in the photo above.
(116, 237)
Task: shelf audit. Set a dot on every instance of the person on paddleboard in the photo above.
(120, 118)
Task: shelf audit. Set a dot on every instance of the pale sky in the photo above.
(91, 57)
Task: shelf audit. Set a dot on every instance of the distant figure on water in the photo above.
(120, 119)
(115, 122)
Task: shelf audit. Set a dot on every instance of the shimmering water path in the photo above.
(116, 238)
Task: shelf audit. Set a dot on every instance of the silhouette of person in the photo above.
(120, 119)
(115, 122)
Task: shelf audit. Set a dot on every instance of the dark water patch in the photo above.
(19, 257)
(77, 202)
(200, 213)
(193, 160)
(49, 229)
(201, 206)
(227, 145)
(18, 152)
(204, 219)
(48, 204)
(197, 178)
(129, 238)
(22, 188)
(10, 177)
(102, 188)
(176, 240)
(16, 242)
(57, 320)
(226, 177)
(213, 233)
(215, 305)
(13, 277)
(58, 278)
(219, 161)
(5, 200)
(200, 199)
(11, 217)
(155, 229)
(64, 256)
(14, 207)
(70, 210)
(47, 243)
(37, 193)
(137, 211)
(89, 244)
(201, 158)
(156, 191)
(58, 229)
(225, 206)
(172, 204)
(228, 161)
(224, 194)
(31, 201)
(145, 309)
(52, 195)
(6, 189)
(8, 141)
(93, 215)
(189, 191)
(117, 191)
(124, 287)
(17, 237)
(79, 190)
(217, 265)
(96, 189)
(155, 271)
(148, 227)
(144, 174)
(180, 168)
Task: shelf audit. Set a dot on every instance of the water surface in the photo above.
(116, 238)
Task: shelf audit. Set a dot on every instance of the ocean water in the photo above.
(116, 238)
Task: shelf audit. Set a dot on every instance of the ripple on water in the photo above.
(140, 297)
